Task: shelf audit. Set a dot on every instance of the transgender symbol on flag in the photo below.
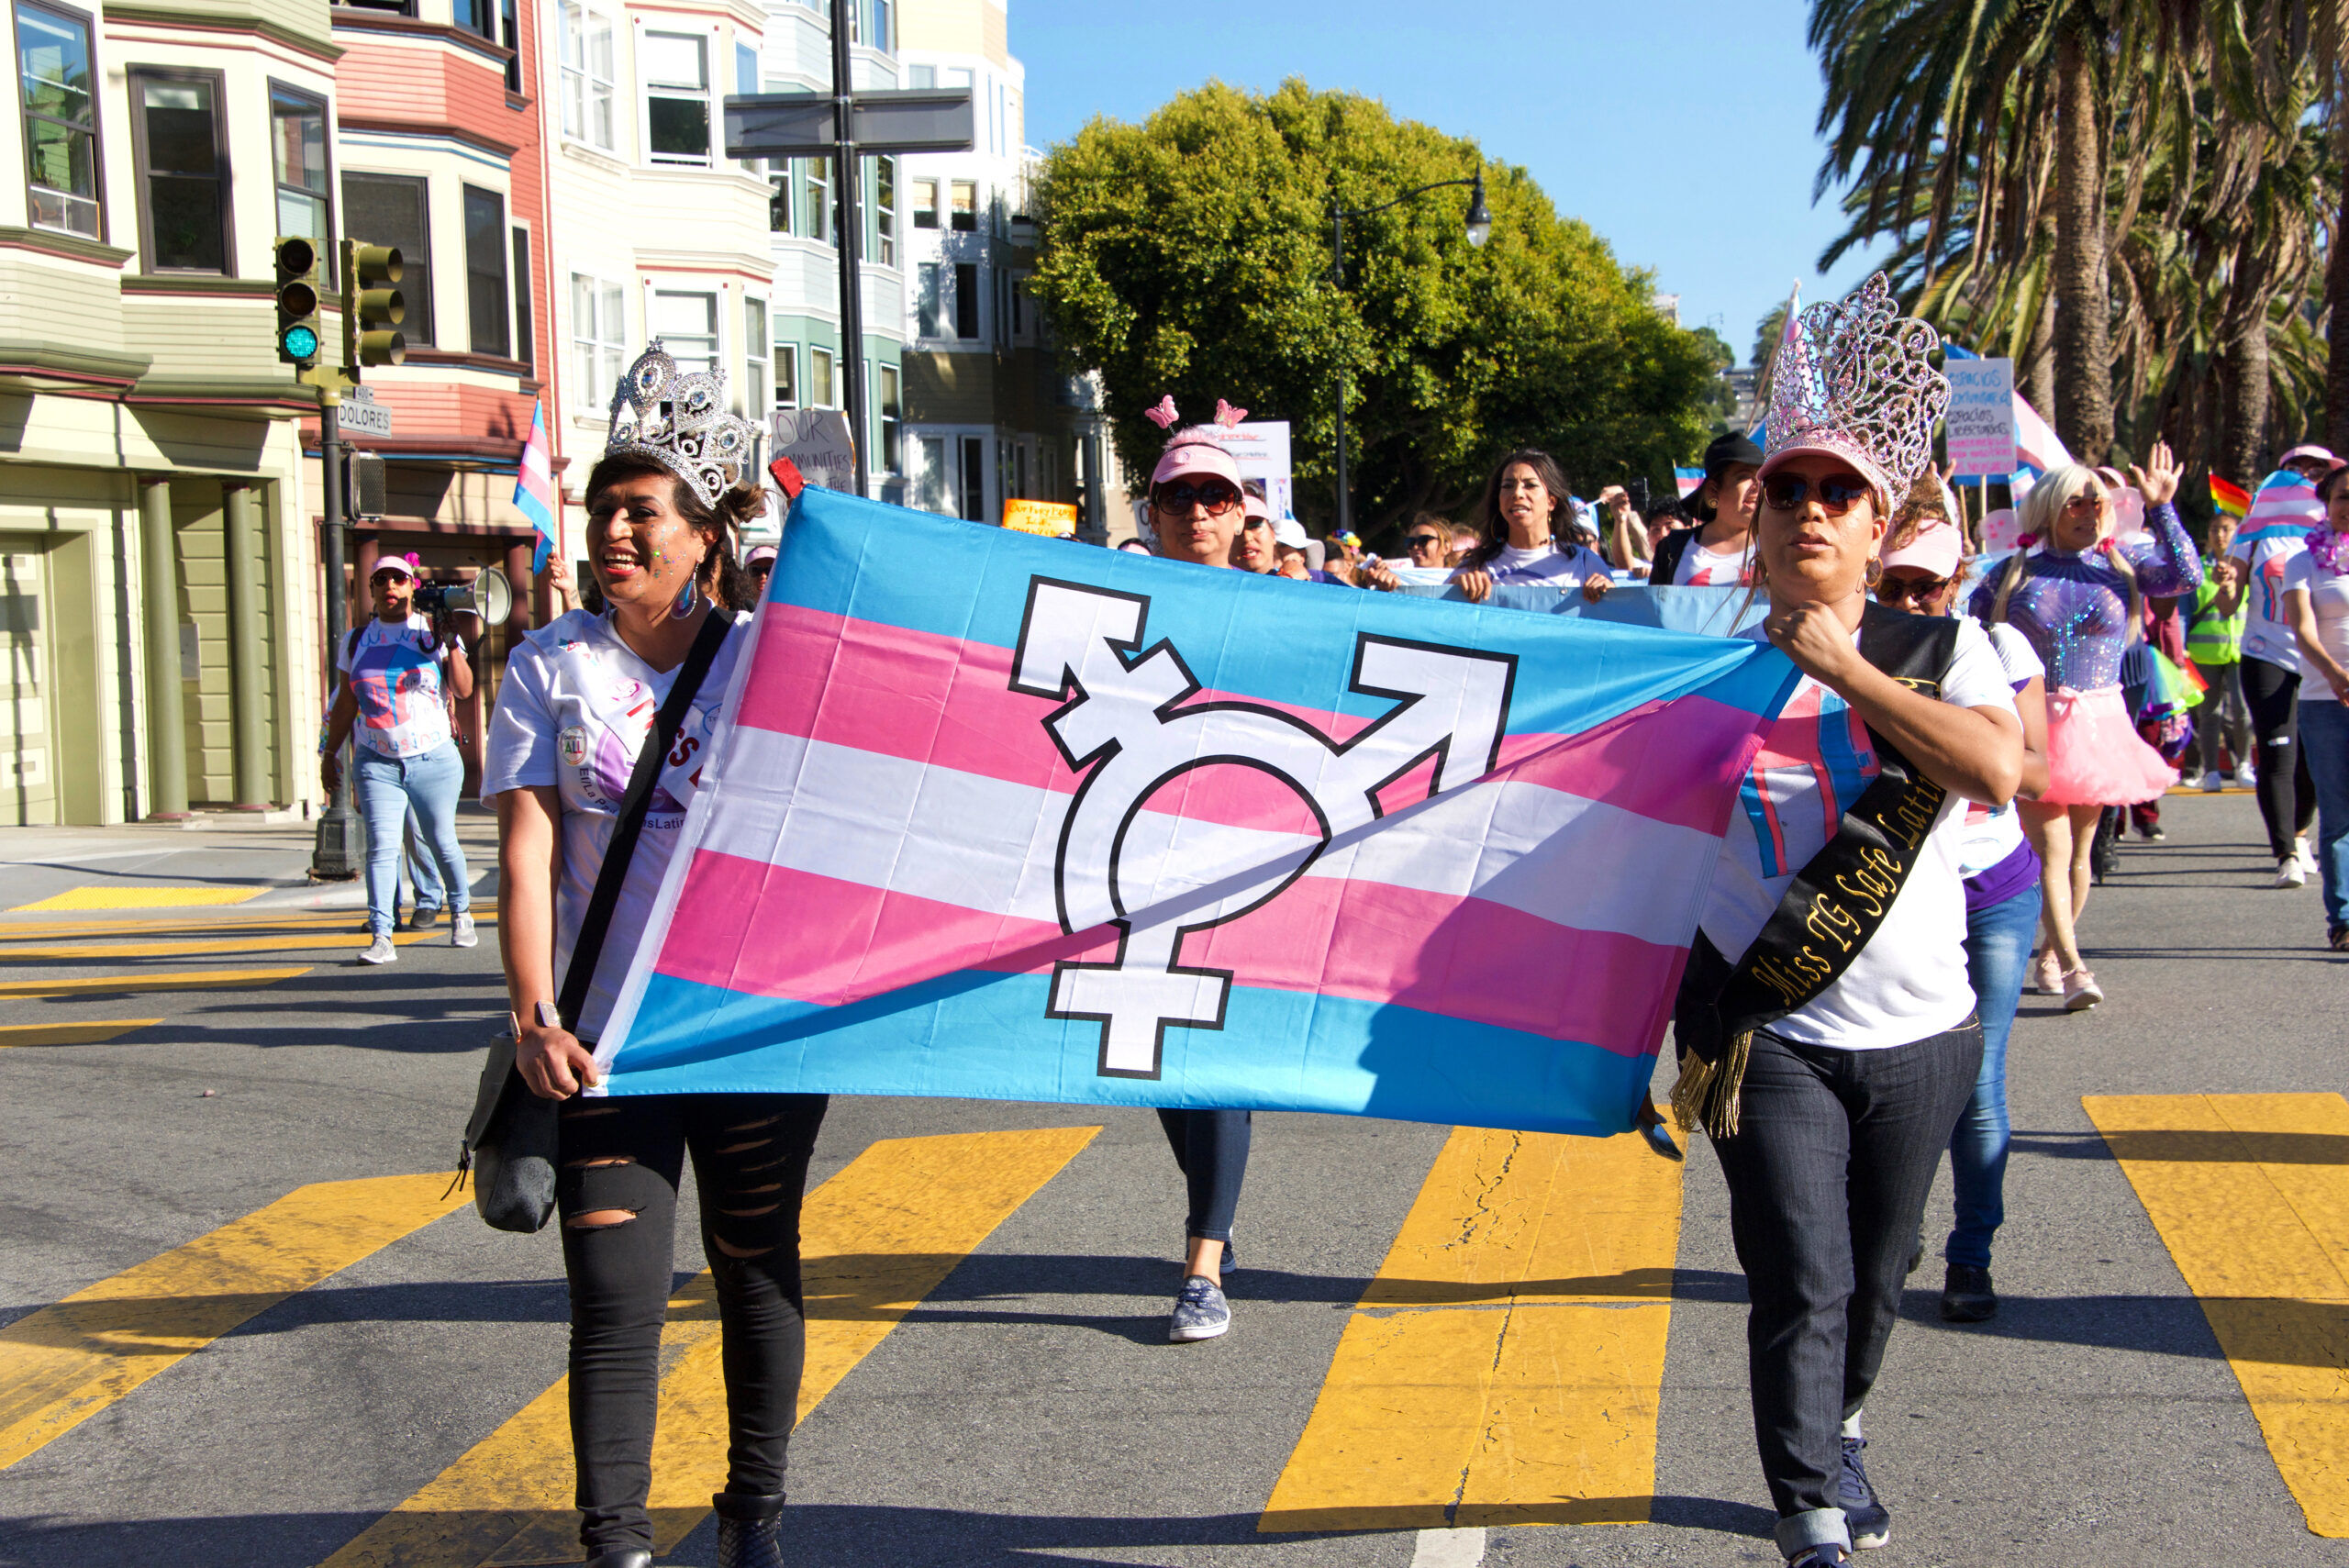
(1123, 723)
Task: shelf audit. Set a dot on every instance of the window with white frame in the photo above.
(816, 198)
(925, 204)
(598, 338)
(587, 55)
(931, 481)
(888, 411)
(779, 200)
(675, 68)
(1023, 308)
(884, 210)
(965, 194)
(921, 76)
(929, 302)
(966, 300)
(786, 375)
(755, 348)
(685, 320)
(60, 119)
(971, 478)
(820, 378)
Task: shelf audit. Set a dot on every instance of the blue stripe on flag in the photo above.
(946, 577)
(1956, 352)
(983, 1035)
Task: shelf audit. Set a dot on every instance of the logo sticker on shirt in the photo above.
(574, 745)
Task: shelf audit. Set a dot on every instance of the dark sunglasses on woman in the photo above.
(1837, 492)
(1426, 541)
(1901, 590)
(1216, 495)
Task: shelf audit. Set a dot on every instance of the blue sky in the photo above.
(1680, 129)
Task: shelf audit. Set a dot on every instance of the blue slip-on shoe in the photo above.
(1200, 1312)
(1869, 1521)
(1826, 1554)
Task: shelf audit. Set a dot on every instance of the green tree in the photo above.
(1189, 255)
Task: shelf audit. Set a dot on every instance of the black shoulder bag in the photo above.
(509, 1146)
(1831, 909)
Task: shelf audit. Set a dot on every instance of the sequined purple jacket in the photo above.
(2073, 607)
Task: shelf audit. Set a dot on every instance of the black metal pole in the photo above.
(336, 856)
(850, 231)
(1338, 275)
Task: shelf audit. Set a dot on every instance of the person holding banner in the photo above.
(2079, 597)
(1523, 502)
(1830, 1060)
(593, 757)
(1197, 510)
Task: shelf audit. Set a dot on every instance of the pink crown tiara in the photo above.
(1854, 378)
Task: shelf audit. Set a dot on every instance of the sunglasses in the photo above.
(1216, 495)
(1426, 541)
(1837, 493)
(1900, 590)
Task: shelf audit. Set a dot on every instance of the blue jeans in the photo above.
(1997, 951)
(2324, 743)
(423, 874)
(386, 788)
(1211, 1150)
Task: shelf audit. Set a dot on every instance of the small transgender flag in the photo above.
(534, 487)
(2284, 507)
(1688, 479)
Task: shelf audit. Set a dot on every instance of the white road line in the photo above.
(1450, 1549)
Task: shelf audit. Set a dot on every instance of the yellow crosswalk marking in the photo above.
(1504, 1367)
(877, 1240)
(140, 898)
(339, 935)
(64, 1364)
(188, 979)
(289, 920)
(2251, 1196)
(72, 1034)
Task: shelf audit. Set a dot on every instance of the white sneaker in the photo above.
(380, 950)
(2245, 778)
(2289, 872)
(2213, 782)
(460, 932)
(2304, 854)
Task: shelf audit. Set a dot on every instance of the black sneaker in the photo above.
(1966, 1295)
(1866, 1518)
(424, 919)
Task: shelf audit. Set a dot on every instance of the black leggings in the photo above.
(1211, 1150)
(2286, 794)
(751, 1163)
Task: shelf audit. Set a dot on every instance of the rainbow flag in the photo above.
(2228, 497)
(989, 816)
(534, 494)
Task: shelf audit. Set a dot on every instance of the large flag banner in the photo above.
(1007, 817)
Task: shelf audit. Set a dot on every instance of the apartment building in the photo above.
(989, 416)
(158, 618)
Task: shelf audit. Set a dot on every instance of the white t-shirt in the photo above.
(2327, 595)
(574, 712)
(397, 673)
(1908, 982)
(1992, 835)
(2265, 637)
(1702, 567)
(1546, 564)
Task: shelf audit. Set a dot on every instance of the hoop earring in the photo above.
(1875, 572)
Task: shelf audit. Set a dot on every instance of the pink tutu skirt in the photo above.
(2095, 756)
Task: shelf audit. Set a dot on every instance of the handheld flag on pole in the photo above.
(1760, 434)
(534, 487)
(2285, 508)
(1688, 479)
(2228, 497)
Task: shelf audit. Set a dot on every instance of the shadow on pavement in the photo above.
(2267, 1148)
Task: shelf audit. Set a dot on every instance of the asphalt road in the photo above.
(1028, 1408)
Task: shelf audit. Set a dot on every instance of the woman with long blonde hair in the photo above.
(2077, 594)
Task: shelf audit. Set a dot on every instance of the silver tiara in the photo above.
(679, 422)
(1854, 378)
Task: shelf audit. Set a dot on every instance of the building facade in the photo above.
(989, 416)
(158, 613)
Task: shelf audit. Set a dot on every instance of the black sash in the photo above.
(1833, 906)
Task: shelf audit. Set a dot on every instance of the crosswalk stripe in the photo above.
(2251, 1196)
(65, 1363)
(139, 897)
(189, 980)
(346, 918)
(875, 1240)
(337, 936)
(1505, 1365)
(95, 1033)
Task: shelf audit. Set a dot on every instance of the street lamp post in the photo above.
(1479, 225)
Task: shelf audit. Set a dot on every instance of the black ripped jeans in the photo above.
(751, 1162)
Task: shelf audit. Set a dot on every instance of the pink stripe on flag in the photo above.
(938, 700)
(1462, 958)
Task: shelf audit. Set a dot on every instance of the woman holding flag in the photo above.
(1830, 1061)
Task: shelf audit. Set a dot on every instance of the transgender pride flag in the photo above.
(534, 494)
(1011, 818)
(2284, 507)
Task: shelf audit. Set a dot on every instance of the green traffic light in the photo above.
(302, 342)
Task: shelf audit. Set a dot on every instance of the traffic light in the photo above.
(297, 299)
(372, 309)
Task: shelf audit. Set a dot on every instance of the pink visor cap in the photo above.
(1937, 548)
(2322, 454)
(1197, 455)
(1254, 505)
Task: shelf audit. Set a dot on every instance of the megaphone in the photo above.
(489, 595)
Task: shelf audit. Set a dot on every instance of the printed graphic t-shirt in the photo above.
(1909, 982)
(1546, 564)
(1702, 567)
(573, 713)
(397, 673)
(2264, 636)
